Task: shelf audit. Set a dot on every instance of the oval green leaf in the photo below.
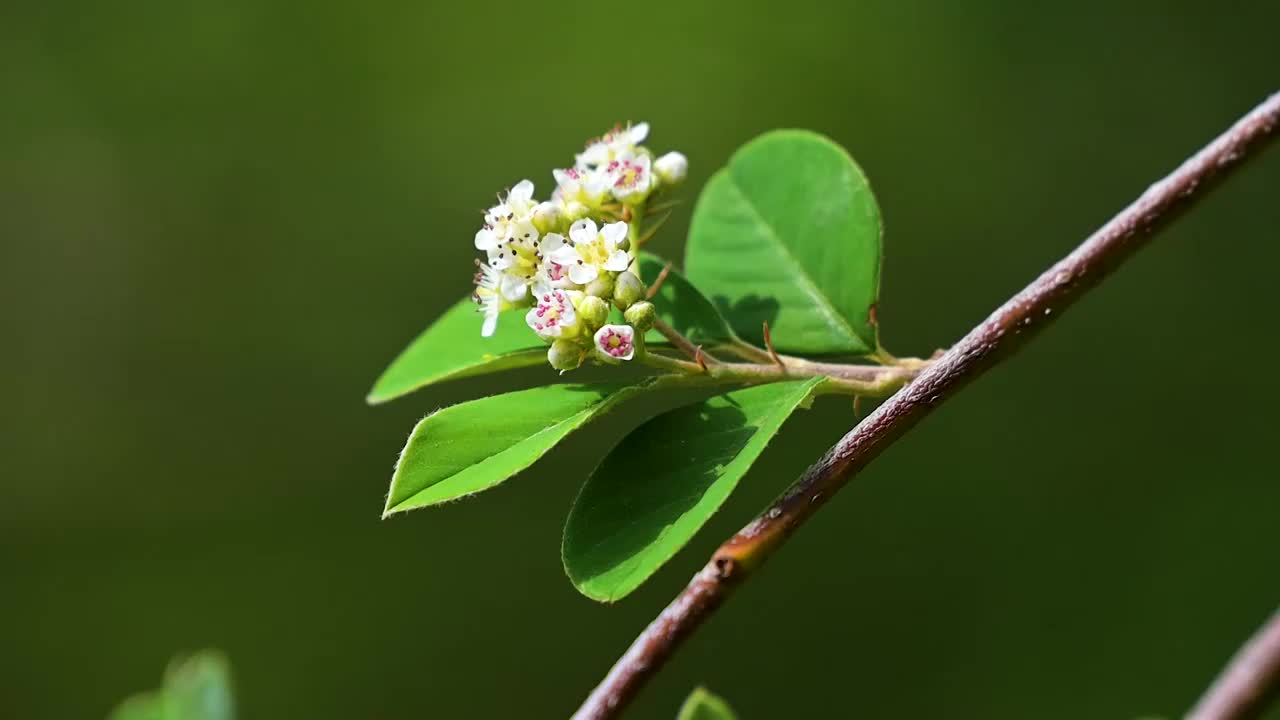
(682, 306)
(199, 688)
(662, 483)
(452, 348)
(195, 688)
(476, 445)
(789, 232)
(702, 704)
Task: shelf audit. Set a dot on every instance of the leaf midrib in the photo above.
(601, 405)
(781, 412)
(834, 319)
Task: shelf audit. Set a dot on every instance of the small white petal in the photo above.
(638, 133)
(583, 231)
(486, 239)
(490, 324)
(521, 193)
(615, 233)
(566, 255)
(618, 261)
(596, 184)
(514, 287)
(595, 154)
(551, 243)
(582, 274)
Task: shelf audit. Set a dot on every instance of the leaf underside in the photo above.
(664, 481)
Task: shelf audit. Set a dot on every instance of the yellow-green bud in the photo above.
(547, 218)
(574, 211)
(593, 312)
(565, 355)
(602, 286)
(627, 290)
(641, 315)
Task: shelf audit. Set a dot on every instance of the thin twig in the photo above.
(652, 230)
(681, 342)
(657, 282)
(1249, 683)
(1006, 330)
(768, 344)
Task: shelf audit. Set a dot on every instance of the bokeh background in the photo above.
(220, 220)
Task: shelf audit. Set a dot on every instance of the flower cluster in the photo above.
(569, 258)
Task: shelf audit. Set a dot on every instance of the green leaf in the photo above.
(680, 304)
(144, 706)
(702, 704)
(662, 483)
(199, 688)
(452, 348)
(789, 232)
(195, 688)
(476, 445)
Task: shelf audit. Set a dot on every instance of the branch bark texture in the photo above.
(999, 336)
(1250, 682)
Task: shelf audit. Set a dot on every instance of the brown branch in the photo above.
(1249, 683)
(682, 343)
(1005, 331)
(768, 343)
(657, 282)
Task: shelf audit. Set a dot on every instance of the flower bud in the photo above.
(565, 355)
(574, 211)
(627, 289)
(593, 311)
(547, 217)
(671, 168)
(602, 286)
(641, 315)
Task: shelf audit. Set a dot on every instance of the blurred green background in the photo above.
(220, 220)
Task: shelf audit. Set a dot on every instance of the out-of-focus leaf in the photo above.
(702, 704)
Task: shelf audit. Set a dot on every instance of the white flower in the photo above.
(552, 273)
(616, 342)
(511, 217)
(488, 297)
(593, 251)
(554, 315)
(584, 187)
(629, 178)
(616, 145)
(671, 168)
